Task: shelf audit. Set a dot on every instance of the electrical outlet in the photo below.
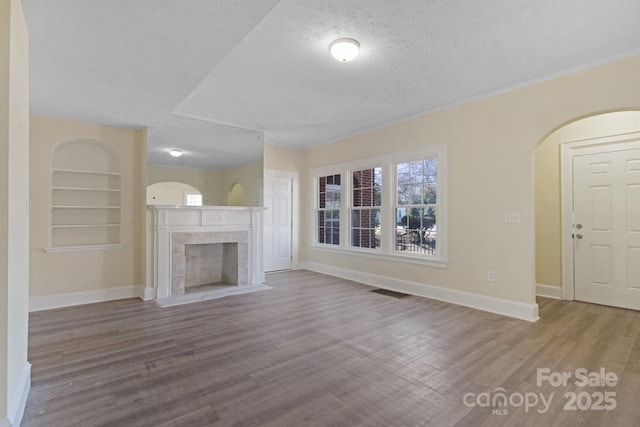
(491, 276)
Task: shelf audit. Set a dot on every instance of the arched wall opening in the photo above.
(171, 193)
(548, 194)
(236, 195)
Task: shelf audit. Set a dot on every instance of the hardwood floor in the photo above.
(321, 351)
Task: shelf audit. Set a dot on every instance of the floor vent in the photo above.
(389, 293)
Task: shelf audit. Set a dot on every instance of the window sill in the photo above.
(409, 259)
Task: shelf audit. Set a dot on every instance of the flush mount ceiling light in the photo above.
(175, 153)
(344, 50)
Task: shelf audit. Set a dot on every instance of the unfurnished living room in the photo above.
(319, 213)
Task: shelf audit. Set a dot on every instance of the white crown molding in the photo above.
(518, 310)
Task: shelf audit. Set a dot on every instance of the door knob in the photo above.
(578, 226)
(578, 236)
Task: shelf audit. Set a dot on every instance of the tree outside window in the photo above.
(416, 207)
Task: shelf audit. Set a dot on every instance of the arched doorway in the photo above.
(554, 242)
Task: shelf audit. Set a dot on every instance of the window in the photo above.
(365, 211)
(192, 199)
(390, 207)
(329, 191)
(416, 207)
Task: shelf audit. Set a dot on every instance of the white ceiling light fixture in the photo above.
(175, 153)
(344, 50)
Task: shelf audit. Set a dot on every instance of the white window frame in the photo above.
(316, 207)
(351, 208)
(388, 164)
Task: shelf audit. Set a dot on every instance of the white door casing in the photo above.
(278, 222)
(606, 222)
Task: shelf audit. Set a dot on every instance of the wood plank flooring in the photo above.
(321, 351)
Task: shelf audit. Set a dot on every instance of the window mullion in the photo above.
(345, 210)
(388, 210)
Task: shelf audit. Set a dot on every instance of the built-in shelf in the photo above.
(85, 172)
(83, 248)
(85, 189)
(85, 207)
(84, 225)
(85, 201)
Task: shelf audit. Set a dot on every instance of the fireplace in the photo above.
(204, 245)
(203, 258)
(209, 264)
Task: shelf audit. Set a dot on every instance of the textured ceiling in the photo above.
(217, 77)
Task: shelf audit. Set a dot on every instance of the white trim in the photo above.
(85, 248)
(373, 254)
(568, 150)
(295, 211)
(86, 297)
(18, 399)
(147, 293)
(518, 310)
(548, 291)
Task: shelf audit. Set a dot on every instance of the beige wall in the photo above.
(490, 145)
(14, 223)
(209, 183)
(213, 185)
(168, 193)
(57, 273)
(250, 178)
(283, 158)
(140, 206)
(547, 185)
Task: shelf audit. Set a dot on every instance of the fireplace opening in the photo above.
(210, 265)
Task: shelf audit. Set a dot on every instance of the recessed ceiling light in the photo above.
(344, 50)
(175, 153)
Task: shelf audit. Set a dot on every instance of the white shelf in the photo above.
(85, 189)
(85, 172)
(84, 225)
(85, 207)
(82, 248)
(85, 199)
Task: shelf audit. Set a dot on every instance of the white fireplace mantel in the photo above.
(203, 224)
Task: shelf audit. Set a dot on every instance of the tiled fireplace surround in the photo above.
(230, 264)
(233, 232)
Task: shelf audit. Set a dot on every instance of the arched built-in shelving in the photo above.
(85, 197)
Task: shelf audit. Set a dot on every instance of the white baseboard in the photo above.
(548, 291)
(86, 297)
(147, 294)
(18, 399)
(501, 306)
(258, 278)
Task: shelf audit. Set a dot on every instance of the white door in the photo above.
(606, 198)
(277, 223)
